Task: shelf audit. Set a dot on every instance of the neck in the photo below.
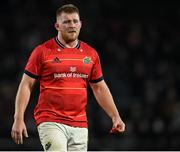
(71, 44)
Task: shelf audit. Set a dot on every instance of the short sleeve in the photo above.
(96, 73)
(33, 66)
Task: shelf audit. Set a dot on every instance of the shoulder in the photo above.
(47, 45)
(89, 48)
(84, 45)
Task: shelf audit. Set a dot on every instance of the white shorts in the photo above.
(59, 137)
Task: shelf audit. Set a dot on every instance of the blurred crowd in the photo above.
(138, 44)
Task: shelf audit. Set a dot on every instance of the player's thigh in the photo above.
(52, 137)
(78, 140)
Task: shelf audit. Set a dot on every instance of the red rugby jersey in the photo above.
(64, 74)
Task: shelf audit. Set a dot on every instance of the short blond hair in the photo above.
(68, 8)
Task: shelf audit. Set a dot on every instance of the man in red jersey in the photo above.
(64, 66)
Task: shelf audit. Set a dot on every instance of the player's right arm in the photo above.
(22, 98)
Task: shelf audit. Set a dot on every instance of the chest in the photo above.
(67, 62)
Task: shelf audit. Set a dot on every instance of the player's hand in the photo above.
(118, 125)
(18, 131)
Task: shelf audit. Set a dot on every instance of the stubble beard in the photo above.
(68, 38)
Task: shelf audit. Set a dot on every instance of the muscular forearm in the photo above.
(22, 99)
(105, 100)
(23, 95)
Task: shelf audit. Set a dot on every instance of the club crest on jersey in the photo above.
(86, 60)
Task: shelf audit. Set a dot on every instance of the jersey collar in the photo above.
(62, 46)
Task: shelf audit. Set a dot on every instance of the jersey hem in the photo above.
(65, 122)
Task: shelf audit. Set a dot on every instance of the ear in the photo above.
(56, 25)
(80, 23)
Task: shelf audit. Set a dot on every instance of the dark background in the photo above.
(138, 44)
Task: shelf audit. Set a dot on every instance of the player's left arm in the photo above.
(105, 100)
